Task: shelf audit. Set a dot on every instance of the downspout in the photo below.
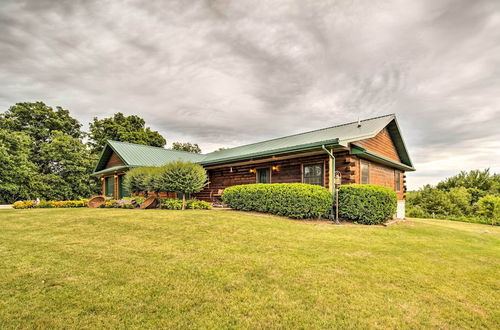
(331, 181)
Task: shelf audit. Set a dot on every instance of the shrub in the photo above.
(176, 204)
(195, 204)
(109, 204)
(50, 204)
(127, 205)
(171, 204)
(23, 204)
(367, 204)
(294, 200)
(489, 208)
(139, 199)
(179, 176)
(136, 180)
(416, 212)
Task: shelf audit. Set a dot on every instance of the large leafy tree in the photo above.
(62, 161)
(18, 174)
(186, 146)
(124, 129)
(66, 165)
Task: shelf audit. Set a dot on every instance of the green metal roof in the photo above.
(134, 155)
(341, 135)
(336, 135)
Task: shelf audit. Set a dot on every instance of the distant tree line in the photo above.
(44, 153)
(472, 196)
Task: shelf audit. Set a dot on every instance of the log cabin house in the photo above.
(370, 151)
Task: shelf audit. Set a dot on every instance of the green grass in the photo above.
(109, 268)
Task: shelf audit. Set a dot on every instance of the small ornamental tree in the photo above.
(136, 180)
(182, 177)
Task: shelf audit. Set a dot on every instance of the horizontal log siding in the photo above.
(113, 161)
(289, 171)
(381, 175)
(381, 144)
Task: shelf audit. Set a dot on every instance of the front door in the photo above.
(263, 175)
(110, 186)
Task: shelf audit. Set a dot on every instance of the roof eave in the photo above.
(366, 154)
(114, 169)
(275, 152)
(108, 144)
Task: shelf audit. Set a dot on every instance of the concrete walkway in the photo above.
(5, 207)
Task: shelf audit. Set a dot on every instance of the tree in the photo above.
(124, 129)
(18, 175)
(477, 179)
(221, 148)
(183, 177)
(62, 161)
(66, 167)
(489, 207)
(186, 146)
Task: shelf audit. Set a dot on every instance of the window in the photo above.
(122, 189)
(313, 174)
(365, 173)
(263, 175)
(397, 180)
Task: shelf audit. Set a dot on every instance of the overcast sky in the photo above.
(226, 73)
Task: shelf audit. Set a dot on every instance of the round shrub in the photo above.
(293, 200)
(137, 179)
(367, 204)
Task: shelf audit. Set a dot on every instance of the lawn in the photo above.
(114, 268)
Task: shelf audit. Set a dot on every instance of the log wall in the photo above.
(288, 171)
(381, 144)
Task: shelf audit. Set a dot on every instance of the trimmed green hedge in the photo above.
(293, 200)
(367, 204)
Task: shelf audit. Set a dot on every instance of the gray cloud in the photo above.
(224, 73)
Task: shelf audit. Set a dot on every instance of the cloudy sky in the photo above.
(226, 72)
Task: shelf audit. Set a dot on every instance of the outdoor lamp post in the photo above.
(337, 182)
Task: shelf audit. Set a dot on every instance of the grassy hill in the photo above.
(91, 268)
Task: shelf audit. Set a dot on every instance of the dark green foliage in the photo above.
(38, 121)
(489, 208)
(124, 129)
(59, 162)
(66, 164)
(293, 200)
(457, 198)
(186, 146)
(18, 174)
(367, 204)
